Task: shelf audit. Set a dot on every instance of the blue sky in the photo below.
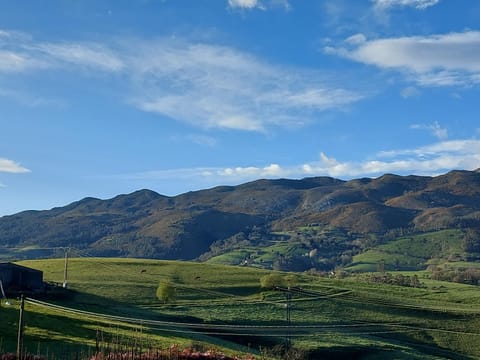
(99, 98)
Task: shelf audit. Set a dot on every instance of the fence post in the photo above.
(20, 328)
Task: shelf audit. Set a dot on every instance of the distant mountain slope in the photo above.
(146, 224)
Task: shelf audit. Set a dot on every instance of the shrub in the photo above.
(271, 280)
(166, 292)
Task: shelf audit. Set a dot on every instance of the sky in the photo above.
(106, 97)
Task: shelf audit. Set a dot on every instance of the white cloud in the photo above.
(356, 39)
(89, 55)
(19, 52)
(418, 4)
(246, 4)
(436, 60)
(215, 86)
(259, 4)
(272, 170)
(205, 85)
(10, 166)
(427, 160)
(11, 61)
(435, 129)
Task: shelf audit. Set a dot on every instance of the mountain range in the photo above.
(205, 223)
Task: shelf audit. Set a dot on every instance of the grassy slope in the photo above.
(410, 252)
(349, 316)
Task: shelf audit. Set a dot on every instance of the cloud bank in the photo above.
(427, 160)
(437, 60)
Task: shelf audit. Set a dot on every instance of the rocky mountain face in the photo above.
(146, 224)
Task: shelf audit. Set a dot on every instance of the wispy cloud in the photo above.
(27, 99)
(215, 86)
(202, 139)
(92, 55)
(16, 61)
(427, 160)
(435, 129)
(418, 4)
(436, 60)
(203, 84)
(259, 4)
(19, 53)
(9, 166)
(409, 91)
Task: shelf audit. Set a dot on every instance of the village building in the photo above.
(17, 278)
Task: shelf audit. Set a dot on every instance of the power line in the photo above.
(269, 328)
(346, 295)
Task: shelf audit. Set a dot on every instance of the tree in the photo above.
(166, 292)
(471, 242)
(271, 280)
(414, 282)
(290, 280)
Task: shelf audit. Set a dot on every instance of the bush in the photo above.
(271, 280)
(166, 292)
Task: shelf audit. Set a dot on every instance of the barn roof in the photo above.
(6, 265)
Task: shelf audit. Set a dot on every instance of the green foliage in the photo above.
(290, 280)
(271, 280)
(472, 241)
(166, 292)
(411, 252)
(397, 279)
(461, 275)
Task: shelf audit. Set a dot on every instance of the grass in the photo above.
(344, 317)
(410, 252)
(260, 257)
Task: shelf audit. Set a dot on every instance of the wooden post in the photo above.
(20, 329)
(65, 269)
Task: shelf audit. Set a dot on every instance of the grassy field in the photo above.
(224, 307)
(410, 252)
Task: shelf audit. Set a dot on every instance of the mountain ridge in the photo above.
(147, 224)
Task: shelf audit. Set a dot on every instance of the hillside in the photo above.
(334, 217)
(225, 307)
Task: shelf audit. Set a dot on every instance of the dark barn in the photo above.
(16, 278)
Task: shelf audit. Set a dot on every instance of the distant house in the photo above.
(17, 278)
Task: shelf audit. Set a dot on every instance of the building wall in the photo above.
(19, 278)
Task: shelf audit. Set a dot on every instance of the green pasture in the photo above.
(263, 257)
(410, 252)
(227, 309)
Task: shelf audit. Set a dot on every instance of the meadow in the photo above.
(224, 307)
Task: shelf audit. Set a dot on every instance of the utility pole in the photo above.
(288, 312)
(65, 269)
(288, 305)
(20, 329)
